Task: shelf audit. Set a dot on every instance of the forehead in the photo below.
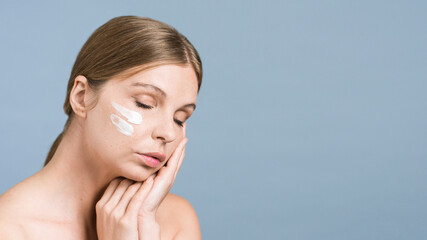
(173, 80)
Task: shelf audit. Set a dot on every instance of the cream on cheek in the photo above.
(132, 116)
(122, 125)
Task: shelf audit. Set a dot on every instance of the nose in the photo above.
(165, 130)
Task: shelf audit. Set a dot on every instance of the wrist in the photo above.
(149, 228)
(148, 220)
(147, 217)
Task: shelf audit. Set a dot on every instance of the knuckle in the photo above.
(116, 216)
(98, 206)
(107, 208)
(124, 221)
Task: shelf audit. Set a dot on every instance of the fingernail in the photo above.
(150, 179)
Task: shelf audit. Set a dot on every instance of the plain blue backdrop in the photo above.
(311, 119)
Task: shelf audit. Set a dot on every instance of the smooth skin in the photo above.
(127, 209)
(95, 186)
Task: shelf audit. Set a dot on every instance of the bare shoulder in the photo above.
(176, 213)
(10, 231)
(11, 221)
(9, 228)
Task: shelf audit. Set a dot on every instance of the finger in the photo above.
(117, 195)
(167, 172)
(182, 154)
(136, 201)
(109, 191)
(127, 196)
(173, 161)
(179, 164)
(166, 176)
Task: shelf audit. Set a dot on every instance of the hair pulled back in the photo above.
(127, 43)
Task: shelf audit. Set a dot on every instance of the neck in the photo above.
(74, 183)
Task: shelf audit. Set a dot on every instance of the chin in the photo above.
(137, 174)
(139, 178)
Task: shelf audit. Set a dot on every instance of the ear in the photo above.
(79, 96)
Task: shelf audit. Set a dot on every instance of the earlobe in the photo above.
(78, 94)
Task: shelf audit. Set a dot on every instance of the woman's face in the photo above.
(140, 114)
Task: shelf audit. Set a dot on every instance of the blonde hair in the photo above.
(127, 45)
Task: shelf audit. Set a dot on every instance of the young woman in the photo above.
(108, 174)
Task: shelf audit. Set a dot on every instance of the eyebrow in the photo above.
(161, 92)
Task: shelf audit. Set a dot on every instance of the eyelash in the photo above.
(141, 105)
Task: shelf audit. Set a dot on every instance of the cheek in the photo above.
(131, 116)
(125, 119)
(121, 125)
(102, 136)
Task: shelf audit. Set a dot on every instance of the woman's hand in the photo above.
(127, 209)
(115, 219)
(162, 184)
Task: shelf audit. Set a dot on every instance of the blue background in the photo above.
(311, 119)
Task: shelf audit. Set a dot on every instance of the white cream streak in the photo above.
(121, 125)
(132, 116)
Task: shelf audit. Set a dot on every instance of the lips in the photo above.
(157, 155)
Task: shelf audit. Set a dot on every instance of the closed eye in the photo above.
(141, 105)
(181, 124)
